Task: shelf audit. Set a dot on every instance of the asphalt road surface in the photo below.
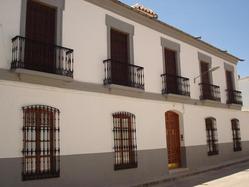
(232, 176)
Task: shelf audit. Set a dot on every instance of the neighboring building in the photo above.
(98, 93)
(244, 87)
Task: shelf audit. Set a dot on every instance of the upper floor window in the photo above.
(125, 145)
(233, 95)
(41, 146)
(236, 135)
(212, 137)
(172, 82)
(119, 66)
(38, 48)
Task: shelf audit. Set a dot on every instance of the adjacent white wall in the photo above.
(244, 87)
(84, 30)
(86, 119)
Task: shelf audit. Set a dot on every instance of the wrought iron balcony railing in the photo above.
(234, 97)
(124, 74)
(41, 56)
(175, 85)
(209, 92)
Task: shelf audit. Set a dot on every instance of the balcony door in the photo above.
(40, 34)
(205, 79)
(171, 70)
(229, 80)
(230, 87)
(120, 58)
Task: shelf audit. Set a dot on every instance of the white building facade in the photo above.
(97, 93)
(243, 85)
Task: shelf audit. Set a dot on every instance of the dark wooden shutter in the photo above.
(229, 80)
(171, 70)
(120, 57)
(205, 78)
(40, 32)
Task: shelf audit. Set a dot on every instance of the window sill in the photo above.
(42, 74)
(126, 88)
(171, 95)
(213, 153)
(125, 166)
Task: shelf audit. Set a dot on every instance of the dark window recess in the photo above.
(182, 83)
(41, 147)
(62, 63)
(130, 75)
(208, 91)
(125, 145)
(212, 138)
(171, 81)
(233, 96)
(236, 135)
(118, 69)
(37, 50)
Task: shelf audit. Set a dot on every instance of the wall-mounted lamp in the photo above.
(210, 70)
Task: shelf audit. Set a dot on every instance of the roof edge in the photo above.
(167, 29)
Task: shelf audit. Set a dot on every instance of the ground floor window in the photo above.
(125, 145)
(212, 138)
(236, 135)
(41, 146)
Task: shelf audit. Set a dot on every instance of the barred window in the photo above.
(236, 135)
(41, 146)
(125, 145)
(212, 137)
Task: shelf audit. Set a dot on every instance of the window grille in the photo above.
(236, 135)
(125, 145)
(212, 138)
(41, 147)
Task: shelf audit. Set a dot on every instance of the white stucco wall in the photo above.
(84, 30)
(86, 119)
(244, 87)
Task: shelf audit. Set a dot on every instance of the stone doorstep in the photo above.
(184, 172)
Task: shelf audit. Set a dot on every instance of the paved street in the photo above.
(233, 176)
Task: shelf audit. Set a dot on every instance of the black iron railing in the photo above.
(234, 97)
(122, 73)
(40, 56)
(209, 92)
(175, 84)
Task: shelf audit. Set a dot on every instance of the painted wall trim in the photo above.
(113, 23)
(9, 75)
(58, 4)
(129, 13)
(207, 59)
(172, 46)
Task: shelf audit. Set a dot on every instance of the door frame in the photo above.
(59, 5)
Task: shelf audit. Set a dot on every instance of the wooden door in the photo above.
(171, 70)
(40, 34)
(205, 79)
(173, 140)
(119, 56)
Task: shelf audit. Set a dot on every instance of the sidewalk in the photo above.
(181, 175)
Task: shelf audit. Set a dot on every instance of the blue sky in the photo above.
(223, 23)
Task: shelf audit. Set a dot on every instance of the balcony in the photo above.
(175, 85)
(209, 92)
(42, 57)
(234, 97)
(123, 74)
